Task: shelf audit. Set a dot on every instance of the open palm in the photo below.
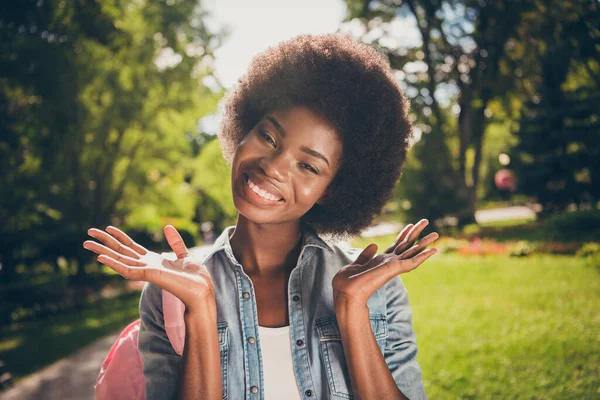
(356, 282)
(186, 278)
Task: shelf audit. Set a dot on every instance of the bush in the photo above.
(574, 225)
(521, 249)
(29, 300)
(591, 252)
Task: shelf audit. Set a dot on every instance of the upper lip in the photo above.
(266, 185)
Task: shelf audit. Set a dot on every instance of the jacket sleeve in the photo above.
(401, 347)
(161, 364)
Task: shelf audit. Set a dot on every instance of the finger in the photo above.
(161, 277)
(423, 243)
(176, 242)
(412, 236)
(399, 238)
(112, 243)
(367, 254)
(420, 258)
(126, 240)
(128, 272)
(101, 249)
(381, 274)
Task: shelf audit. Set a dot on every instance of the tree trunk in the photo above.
(8, 272)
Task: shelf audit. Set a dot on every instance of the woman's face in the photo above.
(284, 165)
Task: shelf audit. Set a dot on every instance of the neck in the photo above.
(266, 249)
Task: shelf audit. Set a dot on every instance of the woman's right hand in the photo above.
(186, 278)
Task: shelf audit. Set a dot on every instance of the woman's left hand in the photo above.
(355, 283)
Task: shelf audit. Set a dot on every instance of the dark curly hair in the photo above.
(351, 85)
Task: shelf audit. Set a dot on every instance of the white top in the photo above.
(278, 367)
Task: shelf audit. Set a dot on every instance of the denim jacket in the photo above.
(319, 365)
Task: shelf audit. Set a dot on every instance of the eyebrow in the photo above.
(304, 149)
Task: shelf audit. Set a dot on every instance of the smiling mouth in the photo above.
(260, 191)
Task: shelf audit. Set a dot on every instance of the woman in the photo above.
(316, 134)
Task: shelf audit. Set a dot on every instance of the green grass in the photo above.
(29, 346)
(497, 327)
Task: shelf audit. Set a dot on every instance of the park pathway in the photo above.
(71, 378)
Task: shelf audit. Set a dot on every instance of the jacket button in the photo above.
(251, 339)
(246, 295)
(308, 393)
(300, 342)
(296, 297)
(254, 389)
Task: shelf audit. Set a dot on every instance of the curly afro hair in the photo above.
(350, 85)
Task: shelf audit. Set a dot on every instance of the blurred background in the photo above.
(108, 115)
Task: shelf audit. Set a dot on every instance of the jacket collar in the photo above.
(310, 238)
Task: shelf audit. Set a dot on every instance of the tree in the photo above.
(212, 180)
(451, 75)
(110, 91)
(557, 158)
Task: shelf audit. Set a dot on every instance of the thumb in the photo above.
(367, 254)
(176, 242)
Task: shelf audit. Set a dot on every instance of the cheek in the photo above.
(250, 145)
(310, 191)
(243, 150)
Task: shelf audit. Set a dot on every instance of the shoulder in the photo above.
(340, 253)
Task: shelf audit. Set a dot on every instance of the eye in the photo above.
(308, 167)
(268, 138)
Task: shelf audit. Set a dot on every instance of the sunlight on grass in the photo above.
(93, 322)
(492, 327)
(29, 346)
(62, 329)
(10, 344)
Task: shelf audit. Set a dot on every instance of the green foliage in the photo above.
(98, 104)
(24, 352)
(50, 294)
(591, 253)
(574, 224)
(557, 157)
(429, 184)
(564, 231)
(471, 76)
(212, 178)
(521, 249)
(498, 139)
(455, 79)
(590, 249)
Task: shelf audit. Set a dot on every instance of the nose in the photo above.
(275, 166)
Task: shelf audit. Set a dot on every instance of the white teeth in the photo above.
(261, 192)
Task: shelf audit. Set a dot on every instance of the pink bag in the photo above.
(121, 375)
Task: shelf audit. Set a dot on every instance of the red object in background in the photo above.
(505, 180)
